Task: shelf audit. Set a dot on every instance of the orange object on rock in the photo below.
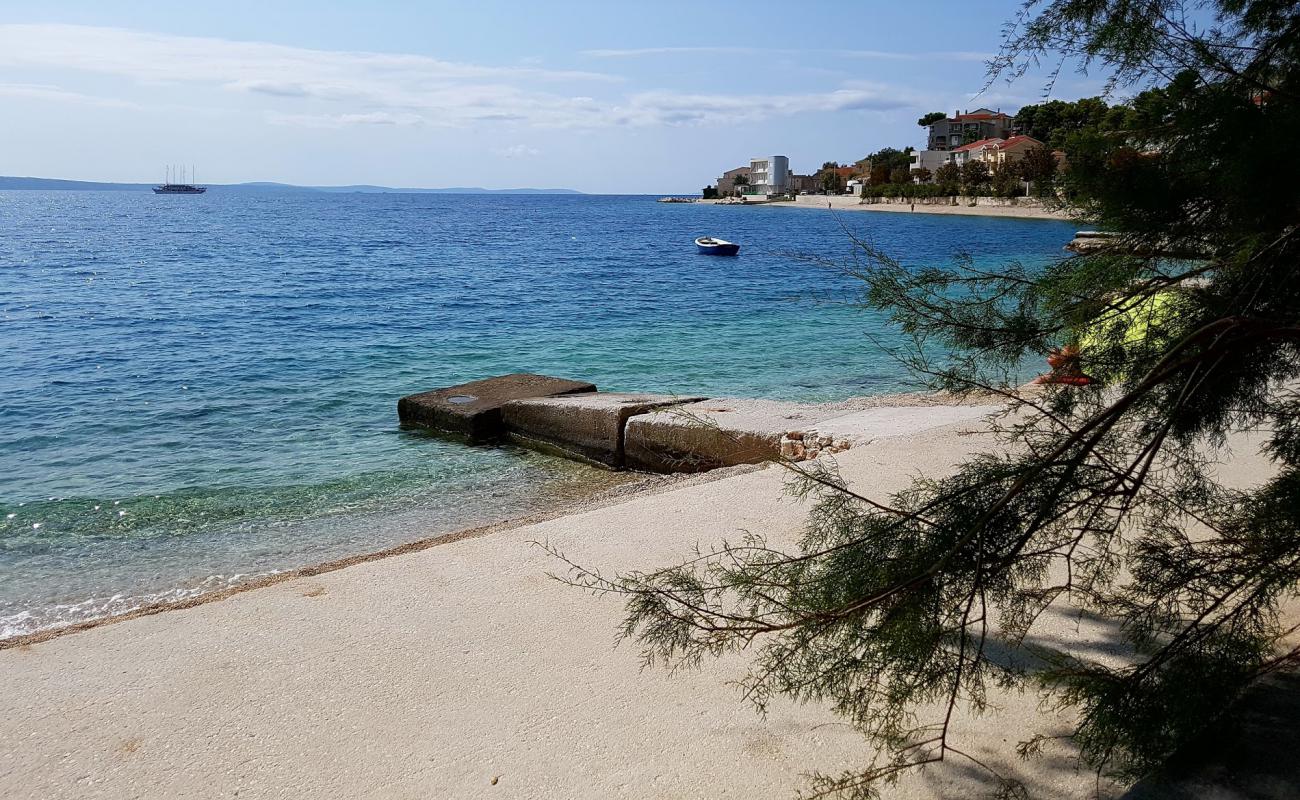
(1065, 369)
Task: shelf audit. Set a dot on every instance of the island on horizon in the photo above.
(58, 184)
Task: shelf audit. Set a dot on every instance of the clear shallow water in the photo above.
(194, 390)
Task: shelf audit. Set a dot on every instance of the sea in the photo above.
(196, 391)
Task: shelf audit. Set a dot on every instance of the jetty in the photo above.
(1089, 242)
(652, 432)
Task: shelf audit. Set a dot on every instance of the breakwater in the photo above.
(663, 433)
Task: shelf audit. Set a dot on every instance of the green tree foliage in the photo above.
(922, 175)
(1052, 121)
(890, 157)
(879, 174)
(1038, 166)
(830, 180)
(974, 177)
(931, 118)
(948, 178)
(900, 175)
(899, 611)
(1004, 181)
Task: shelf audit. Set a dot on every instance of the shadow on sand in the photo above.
(1253, 754)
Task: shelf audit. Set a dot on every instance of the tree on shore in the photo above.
(974, 177)
(1053, 121)
(922, 174)
(1004, 180)
(1038, 167)
(900, 175)
(899, 612)
(948, 178)
(931, 118)
(830, 181)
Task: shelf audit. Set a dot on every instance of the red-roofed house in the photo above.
(994, 151)
(962, 127)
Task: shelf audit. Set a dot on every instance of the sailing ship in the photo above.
(182, 187)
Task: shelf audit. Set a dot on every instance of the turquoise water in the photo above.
(194, 390)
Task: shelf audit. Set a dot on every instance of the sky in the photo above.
(605, 97)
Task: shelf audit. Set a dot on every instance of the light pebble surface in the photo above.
(463, 670)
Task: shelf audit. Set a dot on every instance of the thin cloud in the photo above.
(164, 57)
(724, 50)
(675, 108)
(38, 91)
(519, 151)
(326, 89)
(638, 52)
(345, 120)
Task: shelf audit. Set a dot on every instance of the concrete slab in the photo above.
(474, 409)
(589, 426)
(880, 423)
(696, 437)
(723, 432)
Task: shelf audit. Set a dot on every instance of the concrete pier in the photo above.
(657, 432)
(700, 436)
(589, 426)
(473, 409)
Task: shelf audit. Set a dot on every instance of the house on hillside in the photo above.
(727, 183)
(804, 183)
(975, 151)
(969, 126)
(994, 151)
(928, 159)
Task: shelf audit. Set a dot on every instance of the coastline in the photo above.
(854, 203)
(619, 488)
(458, 666)
(444, 671)
(448, 666)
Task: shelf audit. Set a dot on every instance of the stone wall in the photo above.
(958, 200)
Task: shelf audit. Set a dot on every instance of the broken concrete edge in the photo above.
(685, 442)
(724, 432)
(619, 430)
(473, 410)
(588, 426)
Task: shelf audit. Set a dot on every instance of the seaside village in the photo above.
(973, 153)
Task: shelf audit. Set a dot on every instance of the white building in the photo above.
(769, 175)
(928, 159)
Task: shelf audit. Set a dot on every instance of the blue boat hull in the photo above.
(718, 249)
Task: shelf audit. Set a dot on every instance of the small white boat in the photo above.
(710, 246)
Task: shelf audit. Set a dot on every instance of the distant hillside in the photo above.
(450, 190)
(52, 184)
